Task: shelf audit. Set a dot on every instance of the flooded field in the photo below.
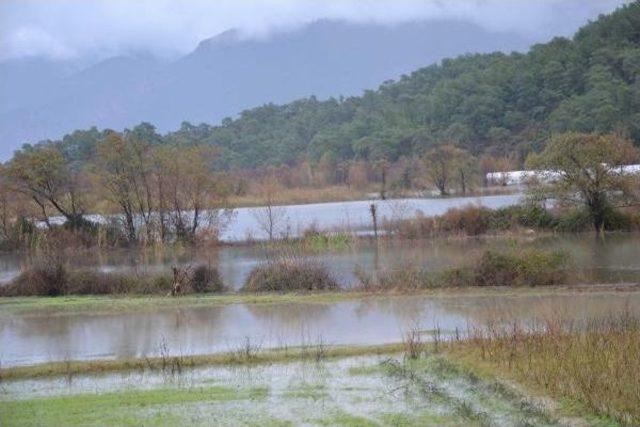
(357, 391)
(351, 391)
(612, 259)
(29, 338)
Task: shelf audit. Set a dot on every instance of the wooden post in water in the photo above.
(374, 218)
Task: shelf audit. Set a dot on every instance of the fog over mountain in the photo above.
(61, 72)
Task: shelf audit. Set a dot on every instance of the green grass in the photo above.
(115, 304)
(401, 419)
(121, 408)
(345, 419)
(110, 304)
(406, 392)
(307, 391)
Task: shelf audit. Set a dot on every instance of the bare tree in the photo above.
(270, 217)
(189, 188)
(44, 175)
(116, 172)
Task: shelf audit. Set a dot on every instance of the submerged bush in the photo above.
(40, 281)
(471, 220)
(48, 281)
(531, 268)
(493, 268)
(405, 278)
(290, 275)
(205, 279)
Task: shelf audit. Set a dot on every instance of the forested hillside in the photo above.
(486, 103)
(224, 75)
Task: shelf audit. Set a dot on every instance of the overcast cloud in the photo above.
(99, 28)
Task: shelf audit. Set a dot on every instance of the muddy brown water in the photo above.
(30, 338)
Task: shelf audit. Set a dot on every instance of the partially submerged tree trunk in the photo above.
(598, 208)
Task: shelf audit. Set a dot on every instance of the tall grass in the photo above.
(594, 362)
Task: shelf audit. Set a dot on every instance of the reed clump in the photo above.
(593, 362)
(290, 275)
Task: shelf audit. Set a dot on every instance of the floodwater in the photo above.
(30, 338)
(612, 259)
(292, 220)
(244, 224)
(348, 391)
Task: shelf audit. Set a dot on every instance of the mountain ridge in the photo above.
(228, 73)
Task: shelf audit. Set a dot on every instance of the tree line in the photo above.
(156, 189)
(162, 190)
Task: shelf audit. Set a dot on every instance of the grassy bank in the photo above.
(103, 304)
(122, 303)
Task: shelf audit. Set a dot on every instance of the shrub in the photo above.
(454, 277)
(574, 221)
(524, 215)
(404, 278)
(86, 282)
(39, 281)
(476, 220)
(471, 220)
(496, 268)
(47, 277)
(416, 228)
(525, 268)
(289, 275)
(531, 268)
(205, 279)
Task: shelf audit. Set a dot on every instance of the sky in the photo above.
(76, 29)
